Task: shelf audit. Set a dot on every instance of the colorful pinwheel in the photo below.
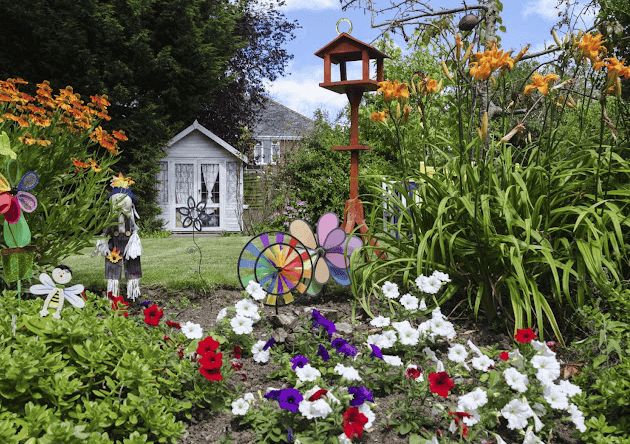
(330, 251)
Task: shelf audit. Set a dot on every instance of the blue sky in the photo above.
(527, 21)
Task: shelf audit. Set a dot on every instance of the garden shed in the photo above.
(201, 165)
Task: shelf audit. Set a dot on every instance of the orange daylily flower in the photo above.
(393, 90)
(428, 85)
(489, 61)
(590, 47)
(541, 83)
(381, 116)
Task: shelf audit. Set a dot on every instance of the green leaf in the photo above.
(502, 28)
(5, 146)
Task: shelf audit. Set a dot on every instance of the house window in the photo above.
(210, 193)
(161, 179)
(266, 153)
(275, 152)
(258, 153)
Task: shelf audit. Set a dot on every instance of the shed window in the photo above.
(162, 183)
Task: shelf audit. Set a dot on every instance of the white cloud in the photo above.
(310, 4)
(545, 8)
(301, 91)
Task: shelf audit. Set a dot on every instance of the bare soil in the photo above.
(202, 308)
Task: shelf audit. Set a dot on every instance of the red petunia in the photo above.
(318, 394)
(237, 351)
(353, 422)
(211, 361)
(525, 335)
(504, 356)
(412, 373)
(152, 315)
(237, 365)
(173, 324)
(440, 383)
(459, 416)
(206, 346)
(119, 304)
(211, 374)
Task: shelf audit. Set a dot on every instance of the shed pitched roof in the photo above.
(205, 131)
(280, 122)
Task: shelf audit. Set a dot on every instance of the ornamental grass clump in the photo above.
(525, 204)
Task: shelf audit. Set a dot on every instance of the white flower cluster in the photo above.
(437, 326)
(247, 315)
(432, 284)
(258, 353)
(349, 373)
(192, 331)
(319, 408)
(241, 405)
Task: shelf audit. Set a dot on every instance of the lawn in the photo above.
(171, 262)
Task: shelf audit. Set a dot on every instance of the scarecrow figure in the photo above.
(123, 246)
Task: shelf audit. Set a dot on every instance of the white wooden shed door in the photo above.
(201, 181)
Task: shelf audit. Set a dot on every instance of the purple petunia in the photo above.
(323, 353)
(299, 361)
(360, 395)
(290, 399)
(319, 320)
(376, 352)
(268, 344)
(273, 395)
(342, 347)
(337, 343)
(145, 303)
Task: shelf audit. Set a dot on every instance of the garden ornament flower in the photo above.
(194, 214)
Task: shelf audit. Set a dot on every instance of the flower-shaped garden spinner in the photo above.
(330, 251)
(194, 214)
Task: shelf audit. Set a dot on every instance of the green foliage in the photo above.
(94, 376)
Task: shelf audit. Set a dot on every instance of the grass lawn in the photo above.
(168, 262)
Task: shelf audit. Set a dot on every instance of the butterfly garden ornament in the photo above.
(123, 249)
(56, 291)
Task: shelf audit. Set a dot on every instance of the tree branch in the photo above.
(431, 14)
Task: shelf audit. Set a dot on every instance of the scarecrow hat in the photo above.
(120, 185)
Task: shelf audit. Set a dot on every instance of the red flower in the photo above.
(459, 416)
(211, 374)
(504, 356)
(237, 351)
(152, 315)
(440, 383)
(173, 324)
(119, 304)
(353, 422)
(206, 346)
(525, 335)
(211, 361)
(318, 394)
(412, 373)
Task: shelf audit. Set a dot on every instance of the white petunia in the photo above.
(423, 305)
(249, 397)
(240, 406)
(548, 366)
(515, 379)
(569, 388)
(409, 302)
(242, 325)
(369, 414)
(315, 409)
(443, 277)
(517, 412)
(530, 438)
(259, 295)
(430, 354)
(343, 439)
(473, 400)
(556, 398)
(516, 359)
(380, 321)
(457, 353)
(307, 373)
(322, 408)
(390, 290)
(482, 363)
(542, 348)
(474, 348)
(476, 417)
(430, 284)
(259, 354)
(409, 336)
(393, 360)
(246, 308)
(442, 327)
(192, 331)
(252, 287)
(437, 313)
(388, 339)
(577, 417)
(433, 440)
(404, 325)
(222, 313)
(348, 373)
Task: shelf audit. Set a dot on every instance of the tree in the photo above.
(239, 103)
(158, 61)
